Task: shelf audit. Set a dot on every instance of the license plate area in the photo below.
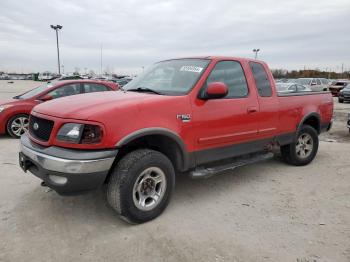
(24, 162)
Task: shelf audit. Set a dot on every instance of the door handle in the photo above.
(252, 109)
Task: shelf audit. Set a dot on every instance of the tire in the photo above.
(292, 153)
(340, 100)
(138, 172)
(17, 125)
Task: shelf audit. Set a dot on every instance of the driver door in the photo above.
(223, 127)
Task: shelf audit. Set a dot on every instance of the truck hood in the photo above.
(87, 106)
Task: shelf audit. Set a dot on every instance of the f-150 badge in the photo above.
(185, 117)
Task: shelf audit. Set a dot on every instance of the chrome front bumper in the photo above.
(67, 171)
(69, 166)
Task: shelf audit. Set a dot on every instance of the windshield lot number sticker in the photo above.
(195, 69)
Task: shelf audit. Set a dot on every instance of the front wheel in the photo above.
(340, 100)
(303, 149)
(141, 185)
(18, 125)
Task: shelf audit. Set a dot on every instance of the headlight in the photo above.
(2, 108)
(80, 133)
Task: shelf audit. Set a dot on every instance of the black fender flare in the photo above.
(307, 116)
(159, 131)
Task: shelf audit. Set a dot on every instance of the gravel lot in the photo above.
(265, 212)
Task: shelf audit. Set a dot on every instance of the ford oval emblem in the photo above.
(36, 126)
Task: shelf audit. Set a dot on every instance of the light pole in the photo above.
(256, 53)
(56, 28)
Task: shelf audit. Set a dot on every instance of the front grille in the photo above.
(40, 128)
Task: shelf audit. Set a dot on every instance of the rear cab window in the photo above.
(261, 78)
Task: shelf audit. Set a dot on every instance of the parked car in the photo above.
(291, 88)
(4, 77)
(338, 86)
(46, 76)
(14, 113)
(70, 77)
(199, 116)
(315, 84)
(122, 81)
(344, 94)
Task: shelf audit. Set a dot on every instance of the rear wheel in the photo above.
(18, 125)
(303, 149)
(141, 185)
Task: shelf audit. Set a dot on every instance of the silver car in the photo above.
(315, 84)
(291, 88)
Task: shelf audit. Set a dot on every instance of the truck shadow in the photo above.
(43, 205)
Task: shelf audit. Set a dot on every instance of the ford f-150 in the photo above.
(198, 116)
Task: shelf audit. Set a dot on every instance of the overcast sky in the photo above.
(290, 34)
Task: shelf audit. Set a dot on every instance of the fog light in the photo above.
(60, 180)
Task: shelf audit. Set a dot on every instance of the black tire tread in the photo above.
(288, 151)
(121, 174)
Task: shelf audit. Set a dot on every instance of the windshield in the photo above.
(303, 81)
(171, 77)
(340, 84)
(347, 87)
(35, 91)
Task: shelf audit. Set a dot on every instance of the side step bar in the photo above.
(205, 172)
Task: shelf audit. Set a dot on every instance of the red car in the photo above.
(195, 116)
(14, 113)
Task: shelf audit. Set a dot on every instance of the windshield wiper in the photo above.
(144, 89)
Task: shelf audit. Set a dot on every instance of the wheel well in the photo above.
(11, 117)
(161, 143)
(314, 122)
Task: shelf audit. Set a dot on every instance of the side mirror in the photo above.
(46, 98)
(215, 90)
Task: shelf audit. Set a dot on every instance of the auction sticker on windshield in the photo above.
(195, 69)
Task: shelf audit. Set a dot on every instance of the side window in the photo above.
(67, 90)
(230, 73)
(301, 88)
(90, 88)
(261, 79)
(293, 88)
(318, 81)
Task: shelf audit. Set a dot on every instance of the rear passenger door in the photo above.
(268, 101)
(93, 87)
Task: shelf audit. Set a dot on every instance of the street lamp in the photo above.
(256, 52)
(56, 28)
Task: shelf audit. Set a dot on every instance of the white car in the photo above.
(316, 84)
(45, 76)
(291, 88)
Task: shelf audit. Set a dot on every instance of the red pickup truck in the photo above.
(199, 116)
